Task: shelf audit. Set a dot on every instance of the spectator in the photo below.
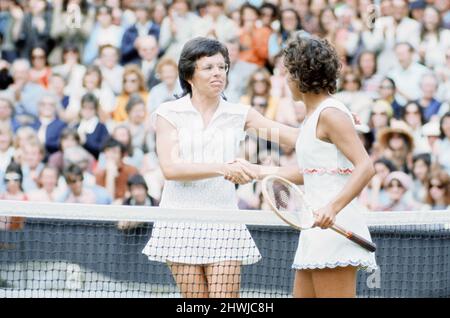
(397, 184)
(72, 22)
(13, 182)
(215, 23)
(40, 71)
(69, 138)
(407, 74)
(116, 173)
(47, 182)
(387, 91)
(414, 117)
(421, 174)
(259, 87)
(370, 79)
(431, 132)
(353, 97)
(289, 23)
(23, 136)
(6, 148)
(148, 49)
(35, 28)
(379, 116)
(279, 85)
(239, 73)
(443, 147)
(133, 83)
(104, 32)
(8, 9)
(438, 194)
(167, 71)
(158, 12)
(137, 124)
(78, 192)
(25, 93)
(177, 28)
(91, 131)
(56, 87)
(111, 70)
(397, 144)
(138, 197)
(6, 113)
(48, 126)
(32, 164)
(443, 73)
(253, 39)
(144, 26)
(429, 86)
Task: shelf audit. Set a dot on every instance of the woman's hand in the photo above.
(238, 173)
(325, 217)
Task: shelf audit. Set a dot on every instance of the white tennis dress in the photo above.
(202, 243)
(326, 171)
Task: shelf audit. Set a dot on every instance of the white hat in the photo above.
(431, 129)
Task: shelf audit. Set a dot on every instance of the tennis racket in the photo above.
(290, 204)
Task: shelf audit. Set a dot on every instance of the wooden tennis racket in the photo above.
(290, 204)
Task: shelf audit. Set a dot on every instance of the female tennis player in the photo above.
(334, 169)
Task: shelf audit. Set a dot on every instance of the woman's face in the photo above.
(131, 83)
(260, 86)
(159, 13)
(138, 193)
(289, 20)
(437, 190)
(122, 135)
(49, 179)
(137, 114)
(5, 110)
(210, 75)
(5, 141)
(380, 118)
(317, 6)
(430, 19)
(75, 183)
(38, 58)
(71, 57)
(12, 183)
(395, 190)
(91, 81)
(47, 107)
(381, 170)
(420, 170)
(367, 64)
(57, 85)
(446, 126)
(396, 142)
(412, 116)
(328, 21)
(68, 142)
(169, 74)
(350, 83)
(88, 110)
(249, 17)
(386, 89)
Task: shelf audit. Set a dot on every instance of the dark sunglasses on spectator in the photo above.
(439, 186)
(73, 180)
(395, 185)
(260, 104)
(38, 56)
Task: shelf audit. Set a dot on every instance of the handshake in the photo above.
(241, 171)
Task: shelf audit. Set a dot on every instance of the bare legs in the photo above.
(339, 282)
(218, 280)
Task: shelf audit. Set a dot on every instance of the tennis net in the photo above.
(78, 250)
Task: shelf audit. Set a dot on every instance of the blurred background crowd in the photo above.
(79, 80)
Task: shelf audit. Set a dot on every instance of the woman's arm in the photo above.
(259, 125)
(336, 127)
(173, 168)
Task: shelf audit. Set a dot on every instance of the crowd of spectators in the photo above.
(79, 80)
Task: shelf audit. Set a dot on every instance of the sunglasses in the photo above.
(439, 186)
(395, 185)
(73, 181)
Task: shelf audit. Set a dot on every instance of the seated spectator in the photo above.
(148, 49)
(133, 83)
(78, 192)
(429, 86)
(260, 86)
(443, 145)
(379, 118)
(353, 97)
(421, 173)
(167, 71)
(144, 26)
(6, 148)
(56, 86)
(47, 183)
(92, 83)
(413, 115)
(438, 191)
(138, 197)
(397, 144)
(40, 71)
(370, 79)
(239, 73)
(7, 113)
(397, 184)
(431, 133)
(23, 136)
(91, 131)
(48, 127)
(387, 93)
(69, 138)
(137, 122)
(13, 183)
(32, 164)
(279, 86)
(108, 62)
(24, 92)
(115, 174)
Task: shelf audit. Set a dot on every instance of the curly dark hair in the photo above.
(313, 63)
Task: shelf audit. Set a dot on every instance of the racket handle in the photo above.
(371, 247)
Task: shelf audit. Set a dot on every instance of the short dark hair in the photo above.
(441, 123)
(313, 63)
(73, 169)
(137, 179)
(69, 132)
(135, 99)
(387, 163)
(194, 50)
(113, 143)
(89, 98)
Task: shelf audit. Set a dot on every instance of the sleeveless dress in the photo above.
(326, 171)
(202, 243)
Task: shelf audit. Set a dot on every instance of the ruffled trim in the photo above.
(320, 171)
(361, 264)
